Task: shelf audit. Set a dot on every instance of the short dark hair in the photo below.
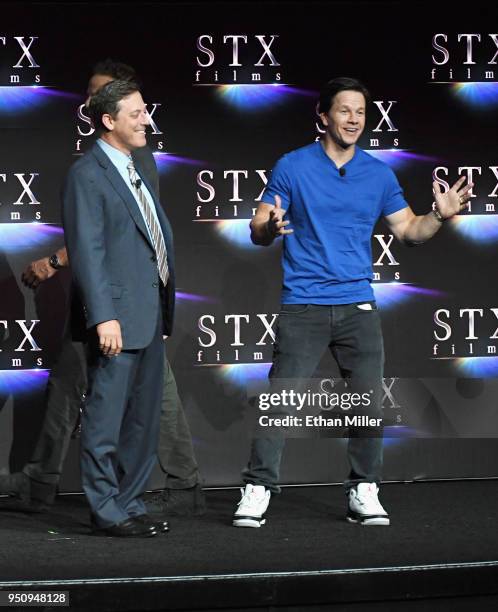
(115, 70)
(106, 101)
(329, 91)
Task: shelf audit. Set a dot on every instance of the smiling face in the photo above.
(126, 131)
(345, 120)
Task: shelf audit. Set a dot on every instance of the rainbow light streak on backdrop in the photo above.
(394, 435)
(237, 232)
(392, 294)
(256, 97)
(166, 161)
(397, 158)
(194, 297)
(477, 94)
(22, 381)
(16, 237)
(478, 367)
(242, 373)
(18, 99)
(478, 228)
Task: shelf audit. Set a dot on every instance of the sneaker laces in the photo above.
(249, 497)
(369, 495)
(371, 491)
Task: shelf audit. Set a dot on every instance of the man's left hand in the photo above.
(453, 201)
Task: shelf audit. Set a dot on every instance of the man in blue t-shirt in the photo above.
(332, 193)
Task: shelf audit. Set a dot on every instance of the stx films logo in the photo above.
(386, 267)
(19, 64)
(228, 194)
(389, 398)
(235, 338)
(465, 332)
(18, 199)
(385, 133)
(84, 129)
(233, 59)
(19, 346)
(466, 57)
(484, 193)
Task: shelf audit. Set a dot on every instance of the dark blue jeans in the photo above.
(354, 337)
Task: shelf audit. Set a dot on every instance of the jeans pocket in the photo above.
(366, 306)
(294, 309)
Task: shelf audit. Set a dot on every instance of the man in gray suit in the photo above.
(119, 242)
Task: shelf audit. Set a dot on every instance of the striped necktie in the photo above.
(154, 228)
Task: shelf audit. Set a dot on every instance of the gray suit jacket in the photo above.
(111, 256)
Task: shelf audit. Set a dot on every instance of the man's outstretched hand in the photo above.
(276, 224)
(454, 200)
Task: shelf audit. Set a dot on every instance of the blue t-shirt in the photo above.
(328, 258)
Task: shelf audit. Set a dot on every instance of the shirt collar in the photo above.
(324, 156)
(118, 158)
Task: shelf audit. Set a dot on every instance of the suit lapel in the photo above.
(122, 189)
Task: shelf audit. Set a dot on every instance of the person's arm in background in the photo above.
(40, 270)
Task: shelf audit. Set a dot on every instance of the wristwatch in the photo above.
(53, 260)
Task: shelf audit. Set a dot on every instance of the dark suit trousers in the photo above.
(66, 385)
(119, 429)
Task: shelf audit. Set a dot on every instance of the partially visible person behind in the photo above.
(35, 487)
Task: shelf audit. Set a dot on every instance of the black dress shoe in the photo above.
(177, 502)
(17, 485)
(130, 528)
(31, 506)
(145, 519)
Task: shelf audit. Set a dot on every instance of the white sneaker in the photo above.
(252, 507)
(364, 506)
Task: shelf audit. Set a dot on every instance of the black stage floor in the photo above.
(442, 544)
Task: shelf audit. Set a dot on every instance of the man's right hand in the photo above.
(276, 223)
(37, 272)
(110, 341)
